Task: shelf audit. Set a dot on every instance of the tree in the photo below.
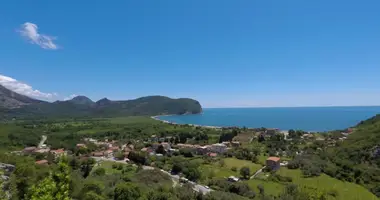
(45, 190)
(62, 179)
(119, 156)
(126, 191)
(99, 172)
(245, 172)
(160, 149)
(261, 189)
(92, 196)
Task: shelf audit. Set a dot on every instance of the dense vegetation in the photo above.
(314, 170)
(13, 105)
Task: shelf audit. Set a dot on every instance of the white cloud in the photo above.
(70, 97)
(30, 32)
(25, 89)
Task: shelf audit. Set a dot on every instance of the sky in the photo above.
(223, 53)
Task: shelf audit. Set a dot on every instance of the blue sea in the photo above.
(302, 118)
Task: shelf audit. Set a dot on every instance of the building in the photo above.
(273, 163)
(81, 146)
(235, 144)
(97, 154)
(233, 179)
(213, 155)
(271, 131)
(42, 162)
(202, 150)
(46, 150)
(29, 150)
(218, 148)
(58, 153)
(166, 146)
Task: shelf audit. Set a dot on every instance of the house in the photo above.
(108, 153)
(273, 163)
(97, 154)
(235, 144)
(271, 131)
(42, 162)
(114, 148)
(46, 150)
(29, 150)
(166, 146)
(213, 155)
(233, 179)
(58, 153)
(202, 150)
(153, 138)
(81, 146)
(218, 148)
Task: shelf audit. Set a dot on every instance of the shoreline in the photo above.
(173, 123)
(215, 127)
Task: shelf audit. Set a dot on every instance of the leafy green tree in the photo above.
(93, 186)
(92, 196)
(62, 179)
(245, 172)
(44, 190)
(99, 172)
(126, 191)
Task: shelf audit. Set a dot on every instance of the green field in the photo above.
(346, 190)
(270, 188)
(233, 162)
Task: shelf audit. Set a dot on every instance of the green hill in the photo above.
(14, 105)
(358, 158)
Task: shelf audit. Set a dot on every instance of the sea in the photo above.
(314, 119)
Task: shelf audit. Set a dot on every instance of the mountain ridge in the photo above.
(82, 106)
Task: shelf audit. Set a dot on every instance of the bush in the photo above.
(333, 193)
(99, 172)
(234, 169)
(120, 166)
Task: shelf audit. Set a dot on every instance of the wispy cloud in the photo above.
(25, 89)
(70, 97)
(29, 31)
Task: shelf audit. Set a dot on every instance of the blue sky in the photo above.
(223, 53)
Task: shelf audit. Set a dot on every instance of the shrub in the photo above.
(234, 169)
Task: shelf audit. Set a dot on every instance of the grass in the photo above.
(270, 188)
(346, 190)
(131, 120)
(107, 165)
(233, 162)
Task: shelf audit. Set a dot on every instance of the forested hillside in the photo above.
(13, 105)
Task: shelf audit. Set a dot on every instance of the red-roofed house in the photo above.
(42, 162)
(58, 153)
(273, 163)
(212, 154)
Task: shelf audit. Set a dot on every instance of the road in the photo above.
(196, 187)
(257, 173)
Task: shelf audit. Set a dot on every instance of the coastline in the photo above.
(173, 123)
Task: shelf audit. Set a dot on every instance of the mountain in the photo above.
(82, 100)
(10, 99)
(13, 105)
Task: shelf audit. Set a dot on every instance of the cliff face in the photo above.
(16, 105)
